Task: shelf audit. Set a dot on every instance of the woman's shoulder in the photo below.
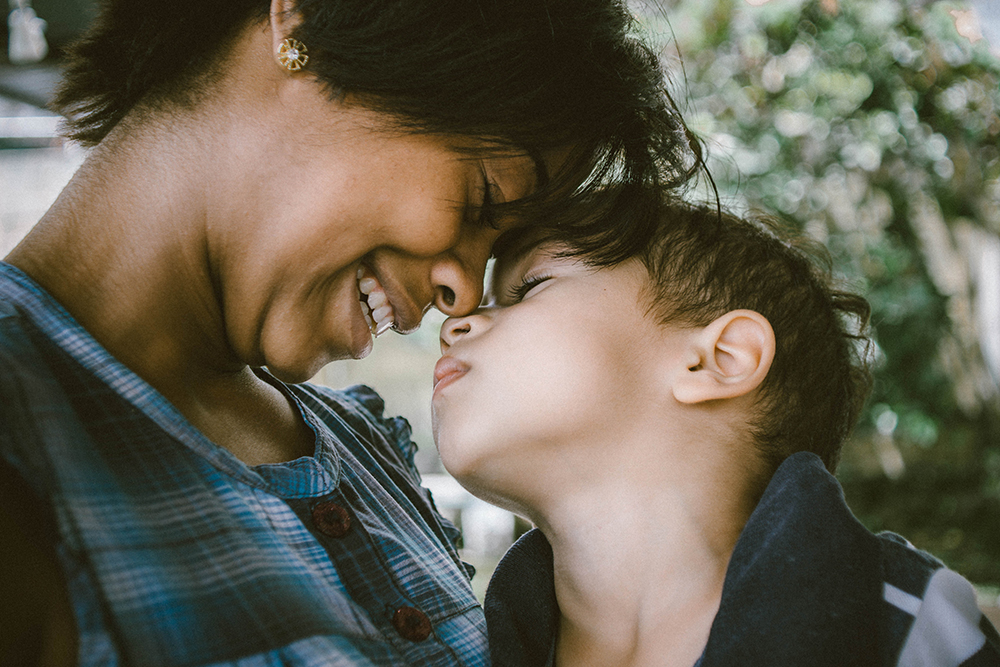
(28, 386)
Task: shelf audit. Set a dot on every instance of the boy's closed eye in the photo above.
(517, 292)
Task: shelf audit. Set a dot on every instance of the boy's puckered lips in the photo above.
(447, 370)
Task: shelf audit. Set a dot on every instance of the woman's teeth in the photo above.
(374, 304)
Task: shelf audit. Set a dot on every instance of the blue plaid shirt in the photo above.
(177, 553)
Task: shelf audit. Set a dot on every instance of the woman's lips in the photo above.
(447, 370)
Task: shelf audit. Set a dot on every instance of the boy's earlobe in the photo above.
(730, 357)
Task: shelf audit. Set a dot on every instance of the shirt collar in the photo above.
(303, 477)
(803, 583)
(802, 586)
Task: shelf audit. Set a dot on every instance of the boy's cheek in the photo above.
(456, 444)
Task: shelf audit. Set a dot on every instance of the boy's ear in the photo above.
(728, 358)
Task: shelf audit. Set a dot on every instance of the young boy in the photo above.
(670, 422)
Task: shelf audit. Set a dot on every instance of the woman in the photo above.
(268, 186)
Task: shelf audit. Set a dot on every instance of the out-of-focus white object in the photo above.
(29, 127)
(487, 531)
(27, 34)
(987, 13)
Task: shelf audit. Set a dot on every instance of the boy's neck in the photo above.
(639, 569)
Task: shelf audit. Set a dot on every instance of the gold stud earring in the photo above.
(292, 54)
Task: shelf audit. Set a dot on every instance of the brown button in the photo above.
(411, 624)
(331, 519)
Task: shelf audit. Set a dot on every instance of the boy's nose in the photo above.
(454, 328)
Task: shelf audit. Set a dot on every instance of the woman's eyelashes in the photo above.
(487, 210)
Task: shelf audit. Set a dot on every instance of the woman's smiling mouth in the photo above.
(375, 305)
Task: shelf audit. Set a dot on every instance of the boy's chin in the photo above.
(475, 478)
(458, 467)
(458, 453)
(491, 494)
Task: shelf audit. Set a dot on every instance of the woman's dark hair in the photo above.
(528, 75)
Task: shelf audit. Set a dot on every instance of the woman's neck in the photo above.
(120, 250)
(125, 250)
(639, 572)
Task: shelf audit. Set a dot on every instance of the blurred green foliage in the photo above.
(874, 126)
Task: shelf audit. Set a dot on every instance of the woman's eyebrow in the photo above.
(511, 253)
(541, 169)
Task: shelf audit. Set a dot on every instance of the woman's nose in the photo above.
(458, 288)
(458, 275)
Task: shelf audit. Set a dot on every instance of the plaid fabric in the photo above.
(807, 586)
(176, 553)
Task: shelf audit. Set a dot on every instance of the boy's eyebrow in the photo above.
(510, 249)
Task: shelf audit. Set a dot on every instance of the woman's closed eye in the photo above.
(487, 210)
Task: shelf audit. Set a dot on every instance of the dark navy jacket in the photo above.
(807, 586)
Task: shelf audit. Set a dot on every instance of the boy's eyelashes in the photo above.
(516, 293)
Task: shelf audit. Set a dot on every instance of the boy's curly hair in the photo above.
(704, 262)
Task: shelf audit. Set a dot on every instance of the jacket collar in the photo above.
(803, 586)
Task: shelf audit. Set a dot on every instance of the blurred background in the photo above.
(874, 126)
(871, 125)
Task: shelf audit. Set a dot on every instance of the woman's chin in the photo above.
(296, 370)
(292, 376)
(363, 346)
(293, 367)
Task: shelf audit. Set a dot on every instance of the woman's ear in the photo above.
(284, 18)
(728, 358)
